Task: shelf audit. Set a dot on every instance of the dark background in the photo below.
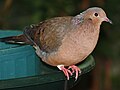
(16, 14)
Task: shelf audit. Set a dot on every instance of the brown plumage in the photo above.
(64, 41)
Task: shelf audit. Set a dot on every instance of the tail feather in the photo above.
(21, 39)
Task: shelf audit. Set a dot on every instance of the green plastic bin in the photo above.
(22, 69)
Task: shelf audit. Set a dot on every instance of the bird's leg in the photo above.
(67, 72)
(75, 69)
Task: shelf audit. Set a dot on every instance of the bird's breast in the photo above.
(75, 48)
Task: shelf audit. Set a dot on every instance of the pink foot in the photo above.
(67, 72)
(76, 70)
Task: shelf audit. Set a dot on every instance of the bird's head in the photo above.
(97, 15)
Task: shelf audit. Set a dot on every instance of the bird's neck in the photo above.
(91, 26)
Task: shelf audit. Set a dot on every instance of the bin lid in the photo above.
(86, 66)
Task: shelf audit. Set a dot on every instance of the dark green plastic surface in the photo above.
(17, 61)
(52, 80)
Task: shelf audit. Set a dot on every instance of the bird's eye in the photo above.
(96, 14)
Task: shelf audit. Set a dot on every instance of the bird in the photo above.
(65, 41)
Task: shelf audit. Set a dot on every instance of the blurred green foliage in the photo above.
(24, 12)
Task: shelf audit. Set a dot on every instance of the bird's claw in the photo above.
(76, 70)
(68, 72)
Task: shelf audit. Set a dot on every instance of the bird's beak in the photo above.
(108, 20)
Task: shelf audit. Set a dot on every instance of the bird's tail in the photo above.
(20, 39)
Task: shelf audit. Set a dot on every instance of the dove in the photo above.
(64, 41)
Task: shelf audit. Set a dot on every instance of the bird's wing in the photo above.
(49, 33)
